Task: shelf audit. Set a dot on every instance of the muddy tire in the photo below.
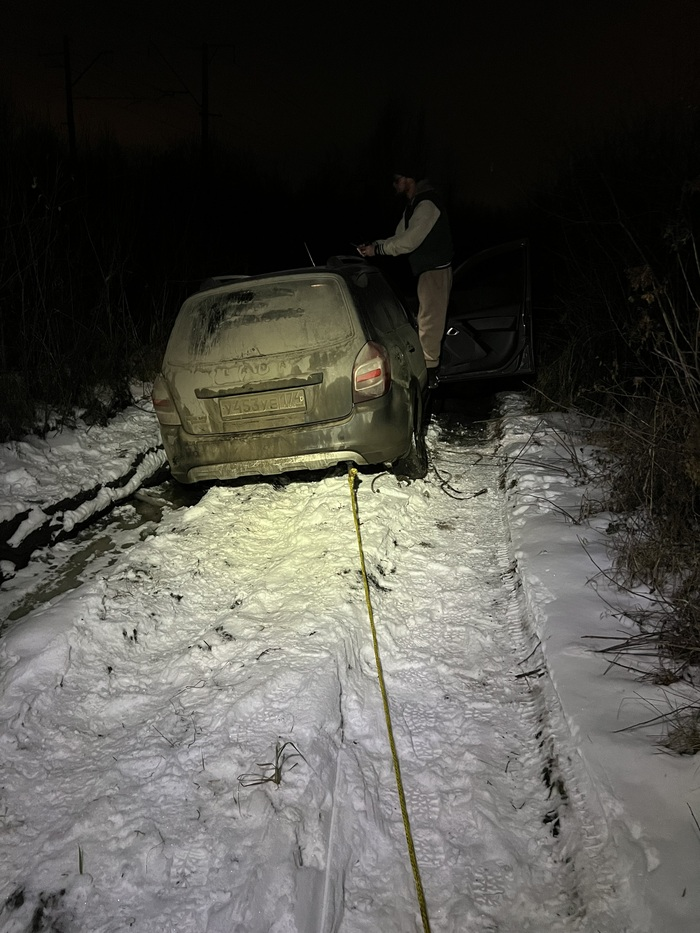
(414, 463)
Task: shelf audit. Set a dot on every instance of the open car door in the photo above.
(489, 319)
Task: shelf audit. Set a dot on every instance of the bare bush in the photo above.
(630, 352)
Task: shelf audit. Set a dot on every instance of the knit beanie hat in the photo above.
(409, 168)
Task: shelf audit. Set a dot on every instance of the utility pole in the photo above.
(70, 84)
(208, 53)
(70, 118)
(205, 103)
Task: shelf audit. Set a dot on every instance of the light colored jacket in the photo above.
(408, 238)
(423, 233)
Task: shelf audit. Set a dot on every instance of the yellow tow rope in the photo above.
(352, 474)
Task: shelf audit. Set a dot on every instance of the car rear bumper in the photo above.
(376, 432)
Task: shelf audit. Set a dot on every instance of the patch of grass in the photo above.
(680, 726)
(683, 733)
(275, 768)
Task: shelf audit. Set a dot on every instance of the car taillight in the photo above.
(163, 404)
(371, 373)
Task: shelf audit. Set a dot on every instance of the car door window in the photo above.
(368, 299)
(250, 320)
(488, 328)
(489, 288)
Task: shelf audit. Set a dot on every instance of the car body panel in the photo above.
(390, 323)
(378, 432)
(257, 376)
(263, 353)
(488, 329)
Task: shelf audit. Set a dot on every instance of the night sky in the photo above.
(507, 89)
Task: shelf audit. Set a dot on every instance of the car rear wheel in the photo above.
(414, 463)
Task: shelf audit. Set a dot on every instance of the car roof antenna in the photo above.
(308, 251)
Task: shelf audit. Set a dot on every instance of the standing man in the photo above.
(423, 234)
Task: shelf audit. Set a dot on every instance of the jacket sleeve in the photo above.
(405, 240)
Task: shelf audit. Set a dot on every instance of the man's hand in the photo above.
(366, 249)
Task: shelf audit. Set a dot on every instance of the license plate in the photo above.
(264, 403)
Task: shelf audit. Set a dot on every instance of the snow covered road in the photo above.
(195, 740)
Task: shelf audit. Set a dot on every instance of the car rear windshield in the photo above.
(260, 318)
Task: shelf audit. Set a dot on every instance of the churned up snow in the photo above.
(192, 738)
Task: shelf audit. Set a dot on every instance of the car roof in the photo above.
(346, 266)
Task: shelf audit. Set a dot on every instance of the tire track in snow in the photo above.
(508, 852)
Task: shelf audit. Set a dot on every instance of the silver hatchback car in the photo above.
(292, 370)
